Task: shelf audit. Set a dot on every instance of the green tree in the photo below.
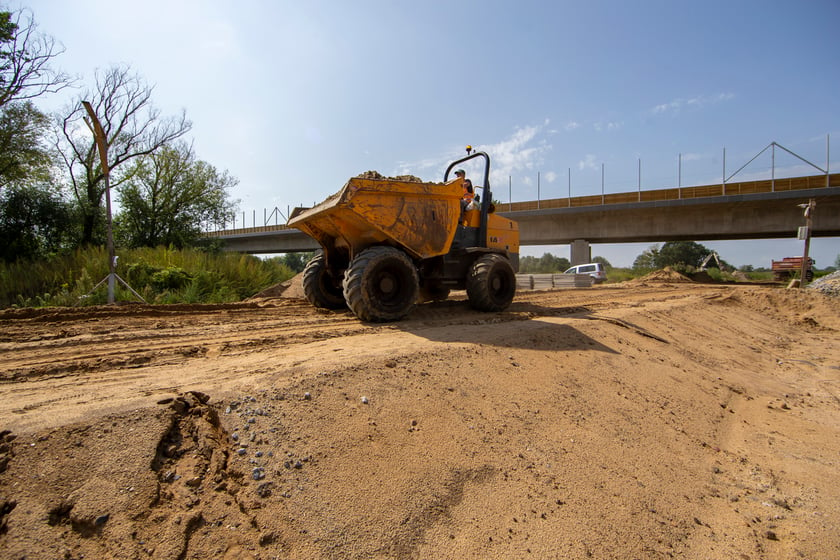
(26, 58)
(133, 128)
(548, 263)
(168, 196)
(648, 259)
(675, 253)
(603, 261)
(296, 261)
(34, 222)
(24, 158)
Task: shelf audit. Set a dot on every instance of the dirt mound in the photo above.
(294, 288)
(739, 276)
(802, 308)
(677, 420)
(98, 485)
(291, 288)
(666, 275)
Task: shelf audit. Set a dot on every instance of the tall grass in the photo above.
(615, 275)
(159, 275)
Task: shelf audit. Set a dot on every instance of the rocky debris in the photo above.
(378, 175)
(828, 285)
(6, 453)
(6, 507)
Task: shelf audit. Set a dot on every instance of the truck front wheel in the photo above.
(319, 286)
(491, 283)
(381, 284)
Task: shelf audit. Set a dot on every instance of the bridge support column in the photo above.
(581, 252)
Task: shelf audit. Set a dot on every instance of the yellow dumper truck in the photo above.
(388, 243)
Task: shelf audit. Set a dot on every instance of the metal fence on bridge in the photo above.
(724, 188)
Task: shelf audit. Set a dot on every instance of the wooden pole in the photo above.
(809, 209)
(102, 147)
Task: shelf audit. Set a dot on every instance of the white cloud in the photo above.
(588, 162)
(608, 125)
(694, 103)
(519, 156)
(550, 176)
(665, 107)
(572, 125)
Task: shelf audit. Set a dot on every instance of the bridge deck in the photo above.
(683, 193)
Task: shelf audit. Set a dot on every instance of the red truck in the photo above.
(789, 267)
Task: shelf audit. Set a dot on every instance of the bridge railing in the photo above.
(655, 195)
(677, 193)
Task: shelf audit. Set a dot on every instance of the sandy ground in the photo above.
(644, 420)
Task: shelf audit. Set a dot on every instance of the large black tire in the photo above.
(319, 286)
(491, 283)
(381, 285)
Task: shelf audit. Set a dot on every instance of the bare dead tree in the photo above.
(26, 58)
(133, 127)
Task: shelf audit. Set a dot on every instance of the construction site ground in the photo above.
(649, 419)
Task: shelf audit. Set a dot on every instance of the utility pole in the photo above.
(102, 147)
(809, 209)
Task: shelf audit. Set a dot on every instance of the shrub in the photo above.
(170, 278)
(160, 275)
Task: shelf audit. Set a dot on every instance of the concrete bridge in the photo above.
(750, 210)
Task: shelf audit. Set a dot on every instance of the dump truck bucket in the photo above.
(420, 218)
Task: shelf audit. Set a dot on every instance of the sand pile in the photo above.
(666, 275)
(291, 288)
(294, 288)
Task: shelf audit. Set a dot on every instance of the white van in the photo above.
(595, 270)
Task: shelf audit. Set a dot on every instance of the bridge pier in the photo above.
(581, 252)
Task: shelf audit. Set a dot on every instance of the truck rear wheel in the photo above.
(319, 286)
(381, 284)
(491, 283)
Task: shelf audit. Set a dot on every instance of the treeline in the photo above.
(52, 184)
(53, 195)
(548, 263)
(683, 256)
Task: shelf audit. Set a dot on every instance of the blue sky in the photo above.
(293, 98)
